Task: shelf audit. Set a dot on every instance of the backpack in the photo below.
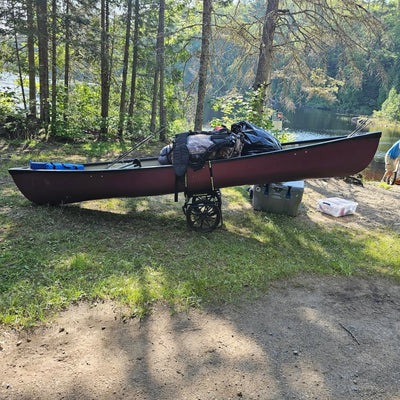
(195, 148)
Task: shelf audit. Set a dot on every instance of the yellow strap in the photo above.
(211, 175)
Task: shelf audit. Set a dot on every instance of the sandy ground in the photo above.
(308, 338)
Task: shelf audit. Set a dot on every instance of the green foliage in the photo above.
(8, 104)
(13, 120)
(236, 107)
(322, 86)
(390, 107)
(83, 116)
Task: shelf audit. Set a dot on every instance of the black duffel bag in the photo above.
(255, 140)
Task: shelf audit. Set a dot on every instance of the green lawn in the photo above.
(138, 251)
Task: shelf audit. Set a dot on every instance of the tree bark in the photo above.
(17, 51)
(105, 68)
(264, 66)
(31, 57)
(66, 60)
(154, 104)
(160, 66)
(43, 48)
(54, 68)
(122, 105)
(204, 62)
(134, 66)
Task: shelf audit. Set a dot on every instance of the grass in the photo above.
(138, 251)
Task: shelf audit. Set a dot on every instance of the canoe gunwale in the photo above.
(316, 160)
(291, 146)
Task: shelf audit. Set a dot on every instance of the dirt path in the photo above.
(308, 338)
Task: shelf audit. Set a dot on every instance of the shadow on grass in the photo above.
(137, 251)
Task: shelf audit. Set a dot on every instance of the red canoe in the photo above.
(332, 157)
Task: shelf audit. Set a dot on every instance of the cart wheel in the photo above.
(204, 213)
(392, 179)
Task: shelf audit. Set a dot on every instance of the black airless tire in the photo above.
(203, 215)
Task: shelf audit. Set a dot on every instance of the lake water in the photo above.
(308, 123)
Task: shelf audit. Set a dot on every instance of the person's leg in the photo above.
(389, 168)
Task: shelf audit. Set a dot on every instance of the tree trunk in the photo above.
(54, 68)
(160, 66)
(66, 60)
(105, 68)
(134, 66)
(21, 80)
(31, 57)
(122, 105)
(204, 61)
(154, 104)
(263, 74)
(43, 48)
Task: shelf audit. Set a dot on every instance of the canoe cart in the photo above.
(203, 211)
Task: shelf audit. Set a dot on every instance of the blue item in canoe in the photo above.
(55, 165)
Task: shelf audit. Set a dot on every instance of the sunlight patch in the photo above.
(78, 262)
(315, 317)
(114, 205)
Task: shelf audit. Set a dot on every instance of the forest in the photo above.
(124, 69)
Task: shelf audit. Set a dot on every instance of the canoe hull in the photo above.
(330, 158)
